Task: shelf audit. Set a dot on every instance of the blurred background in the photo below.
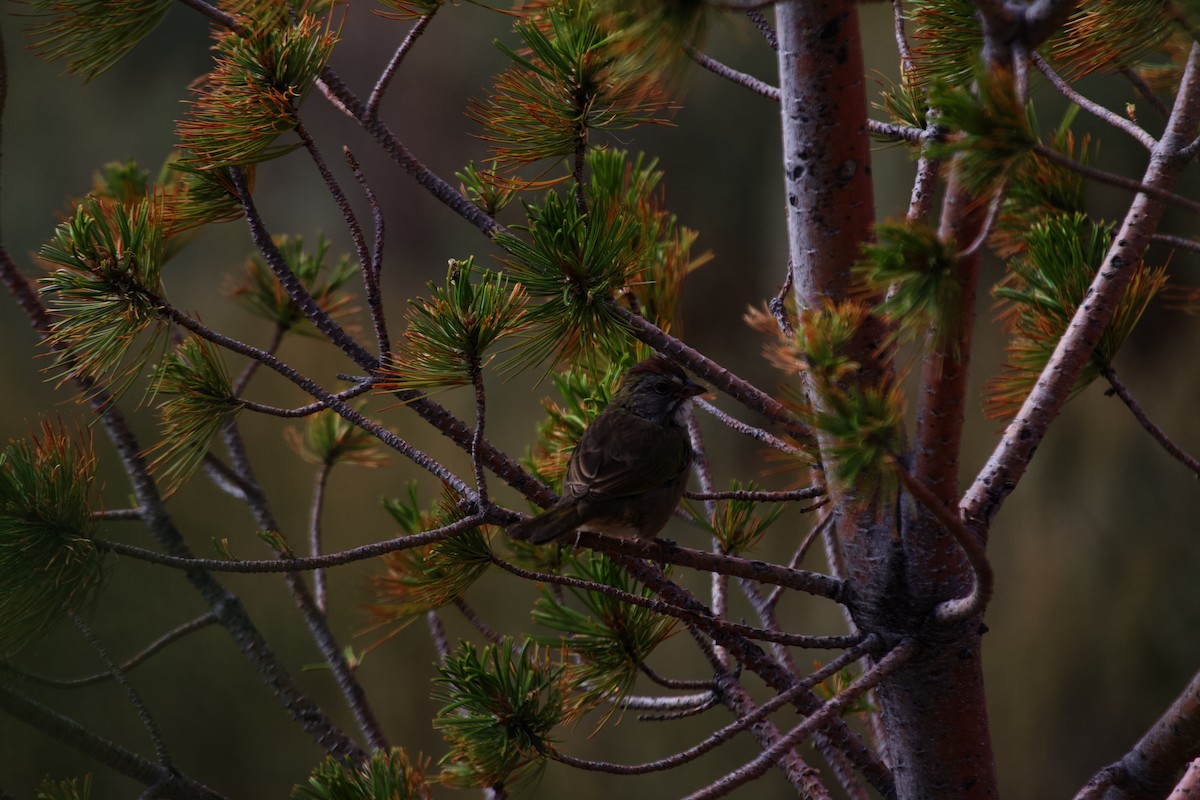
(1093, 629)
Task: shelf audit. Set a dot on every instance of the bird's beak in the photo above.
(690, 389)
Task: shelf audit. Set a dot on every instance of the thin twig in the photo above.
(1158, 434)
(674, 683)
(307, 410)
(1145, 91)
(735, 76)
(385, 78)
(320, 480)
(295, 564)
(243, 379)
(683, 713)
(1176, 241)
(173, 635)
(472, 617)
(118, 514)
(437, 632)
(1009, 460)
(477, 437)
(801, 551)
(757, 434)
(906, 54)
(373, 276)
(1113, 179)
(726, 733)
(70, 732)
(738, 388)
(292, 285)
(893, 661)
(718, 583)
(807, 493)
(161, 753)
(704, 619)
(1142, 136)
(764, 27)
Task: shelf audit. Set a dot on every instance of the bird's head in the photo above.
(658, 390)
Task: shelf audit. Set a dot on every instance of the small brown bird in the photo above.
(630, 467)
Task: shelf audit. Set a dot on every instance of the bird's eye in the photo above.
(662, 388)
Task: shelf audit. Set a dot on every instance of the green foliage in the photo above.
(991, 132)
(570, 80)
(863, 423)
(329, 438)
(389, 775)
(106, 289)
(199, 403)
(485, 188)
(92, 35)
(202, 196)
(947, 41)
(449, 333)
(737, 524)
(49, 564)
(1041, 294)
(575, 263)
(1039, 188)
(406, 10)
(621, 186)
(1110, 35)
(914, 271)
(65, 789)
(905, 102)
(499, 709)
(657, 33)
(250, 97)
(610, 637)
(260, 292)
(418, 579)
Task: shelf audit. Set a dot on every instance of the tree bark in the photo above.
(933, 708)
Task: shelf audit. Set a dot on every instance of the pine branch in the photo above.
(727, 732)
(173, 635)
(373, 273)
(371, 111)
(1157, 433)
(834, 737)
(893, 661)
(730, 74)
(161, 753)
(166, 783)
(295, 564)
(1022, 436)
(1095, 109)
(1150, 769)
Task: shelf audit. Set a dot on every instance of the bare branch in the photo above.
(860, 686)
(295, 564)
(1150, 769)
(730, 74)
(1023, 435)
(1159, 435)
(1095, 109)
(726, 733)
(385, 78)
(173, 635)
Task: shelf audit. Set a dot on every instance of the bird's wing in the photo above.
(622, 455)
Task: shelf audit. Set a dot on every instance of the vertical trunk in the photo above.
(900, 564)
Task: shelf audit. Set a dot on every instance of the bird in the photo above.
(629, 469)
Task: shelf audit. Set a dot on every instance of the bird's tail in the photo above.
(547, 526)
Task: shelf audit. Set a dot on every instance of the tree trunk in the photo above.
(900, 562)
